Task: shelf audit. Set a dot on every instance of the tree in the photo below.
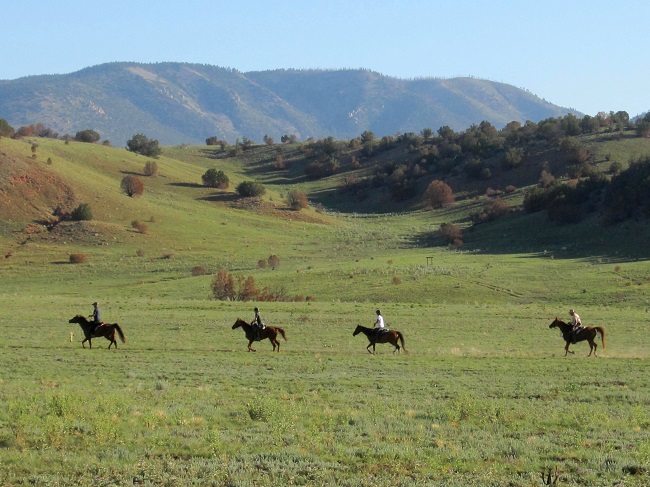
(89, 136)
(438, 195)
(250, 188)
(150, 168)
(132, 186)
(268, 140)
(297, 200)
(223, 286)
(140, 144)
(367, 137)
(427, 133)
(215, 179)
(6, 130)
(513, 157)
(82, 212)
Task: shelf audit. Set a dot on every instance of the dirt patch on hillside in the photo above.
(28, 191)
(271, 209)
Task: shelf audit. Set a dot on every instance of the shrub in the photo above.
(132, 186)
(274, 261)
(140, 144)
(250, 188)
(438, 195)
(89, 136)
(150, 168)
(397, 280)
(537, 199)
(77, 258)
(492, 210)
(139, 253)
(451, 234)
(215, 179)
(223, 286)
(82, 212)
(261, 264)
(297, 200)
(198, 271)
(139, 226)
(279, 164)
(513, 157)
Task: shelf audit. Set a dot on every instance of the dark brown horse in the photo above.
(587, 333)
(105, 330)
(270, 332)
(388, 336)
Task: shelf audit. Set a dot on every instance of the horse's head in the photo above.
(356, 331)
(239, 323)
(79, 319)
(557, 323)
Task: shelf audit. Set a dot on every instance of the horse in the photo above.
(106, 330)
(388, 336)
(270, 332)
(587, 333)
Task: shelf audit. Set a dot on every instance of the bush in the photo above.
(150, 168)
(77, 258)
(274, 261)
(139, 253)
(261, 264)
(223, 286)
(132, 186)
(139, 226)
(297, 200)
(215, 179)
(451, 234)
(87, 136)
(513, 157)
(198, 271)
(140, 144)
(250, 188)
(492, 210)
(82, 212)
(438, 195)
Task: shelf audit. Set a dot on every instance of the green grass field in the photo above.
(485, 395)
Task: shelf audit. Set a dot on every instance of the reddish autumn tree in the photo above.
(438, 195)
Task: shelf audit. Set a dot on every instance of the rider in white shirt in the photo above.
(576, 323)
(379, 323)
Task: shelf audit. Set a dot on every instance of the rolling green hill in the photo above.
(341, 249)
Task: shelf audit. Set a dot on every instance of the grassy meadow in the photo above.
(485, 395)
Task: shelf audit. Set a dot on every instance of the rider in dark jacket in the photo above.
(96, 316)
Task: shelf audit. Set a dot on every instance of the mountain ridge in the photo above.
(178, 103)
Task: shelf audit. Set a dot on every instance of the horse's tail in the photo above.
(119, 332)
(601, 330)
(285, 336)
(401, 339)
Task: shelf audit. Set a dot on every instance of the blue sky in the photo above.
(588, 55)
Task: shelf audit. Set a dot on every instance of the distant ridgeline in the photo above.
(177, 103)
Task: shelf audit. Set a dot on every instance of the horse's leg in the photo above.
(566, 348)
(592, 347)
(83, 341)
(250, 349)
(371, 344)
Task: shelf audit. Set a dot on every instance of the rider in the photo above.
(96, 318)
(379, 324)
(576, 324)
(257, 324)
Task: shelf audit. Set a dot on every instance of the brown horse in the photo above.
(270, 332)
(587, 333)
(105, 330)
(388, 336)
